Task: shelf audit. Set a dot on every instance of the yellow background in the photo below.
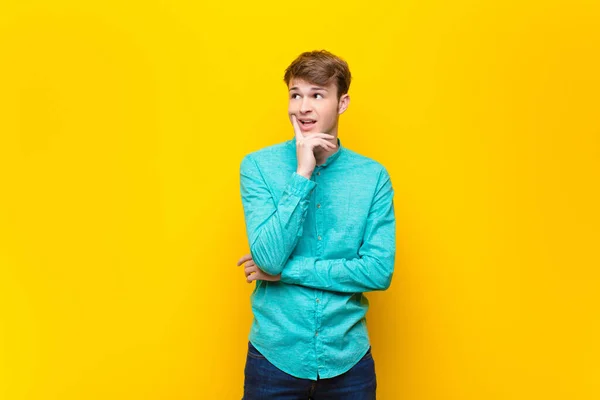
(122, 126)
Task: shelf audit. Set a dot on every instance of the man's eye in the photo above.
(294, 95)
(318, 95)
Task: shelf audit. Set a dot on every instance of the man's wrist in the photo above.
(305, 174)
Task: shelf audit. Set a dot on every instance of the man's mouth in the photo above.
(307, 123)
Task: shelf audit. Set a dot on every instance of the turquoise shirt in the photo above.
(332, 237)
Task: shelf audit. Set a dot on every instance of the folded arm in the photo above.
(374, 267)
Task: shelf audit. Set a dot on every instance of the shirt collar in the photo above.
(330, 159)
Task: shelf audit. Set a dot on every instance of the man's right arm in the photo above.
(273, 230)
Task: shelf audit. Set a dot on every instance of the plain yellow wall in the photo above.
(122, 126)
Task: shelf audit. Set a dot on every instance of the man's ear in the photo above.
(343, 103)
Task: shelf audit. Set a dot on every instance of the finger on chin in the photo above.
(296, 126)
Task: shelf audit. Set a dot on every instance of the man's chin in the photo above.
(312, 131)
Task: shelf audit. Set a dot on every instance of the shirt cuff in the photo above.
(300, 186)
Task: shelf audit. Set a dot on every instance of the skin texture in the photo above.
(315, 142)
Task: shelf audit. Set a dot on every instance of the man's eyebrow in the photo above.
(314, 88)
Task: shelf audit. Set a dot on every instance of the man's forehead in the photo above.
(297, 83)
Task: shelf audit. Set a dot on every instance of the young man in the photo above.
(321, 228)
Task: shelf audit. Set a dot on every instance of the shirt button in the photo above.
(319, 173)
(317, 333)
(319, 237)
(318, 300)
(318, 206)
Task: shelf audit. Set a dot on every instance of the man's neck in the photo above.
(321, 155)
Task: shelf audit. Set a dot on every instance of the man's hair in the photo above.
(320, 67)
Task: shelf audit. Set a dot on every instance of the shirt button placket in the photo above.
(318, 215)
(319, 229)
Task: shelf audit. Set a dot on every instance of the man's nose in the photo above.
(305, 106)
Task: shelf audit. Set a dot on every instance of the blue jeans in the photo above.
(264, 381)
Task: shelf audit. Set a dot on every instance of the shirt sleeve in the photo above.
(374, 267)
(273, 229)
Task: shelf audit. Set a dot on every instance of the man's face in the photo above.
(316, 107)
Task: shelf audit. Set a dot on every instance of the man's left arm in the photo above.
(374, 267)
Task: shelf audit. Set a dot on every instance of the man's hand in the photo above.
(305, 147)
(252, 271)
